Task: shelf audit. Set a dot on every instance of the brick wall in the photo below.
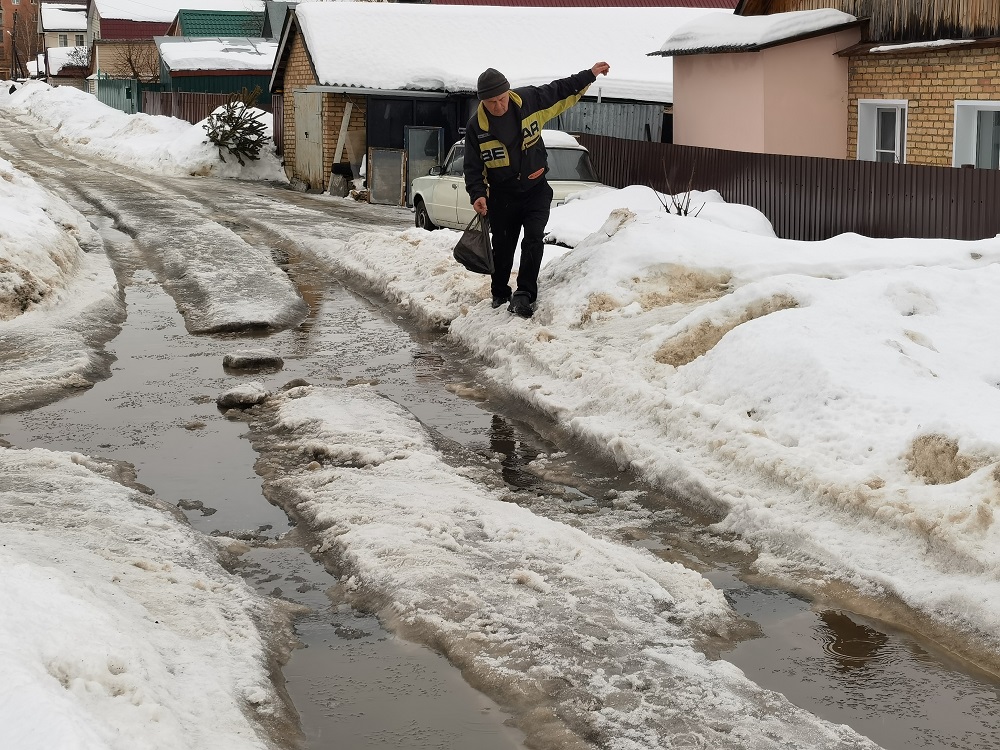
(930, 82)
(298, 75)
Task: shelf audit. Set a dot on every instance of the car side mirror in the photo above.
(436, 170)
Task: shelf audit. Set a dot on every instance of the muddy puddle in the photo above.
(354, 684)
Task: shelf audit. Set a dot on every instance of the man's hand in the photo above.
(480, 206)
(600, 69)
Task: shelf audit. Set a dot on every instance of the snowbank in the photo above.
(833, 402)
(119, 628)
(58, 294)
(161, 145)
(579, 633)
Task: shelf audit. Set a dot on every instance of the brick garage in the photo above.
(930, 81)
(393, 110)
(298, 74)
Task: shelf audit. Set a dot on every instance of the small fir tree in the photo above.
(236, 127)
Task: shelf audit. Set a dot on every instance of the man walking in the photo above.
(505, 166)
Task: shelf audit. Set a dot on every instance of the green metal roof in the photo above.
(219, 22)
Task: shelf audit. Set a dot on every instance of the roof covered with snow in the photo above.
(59, 58)
(202, 53)
(746, 33)
(444, 48)
(164, 11)
(60, 18)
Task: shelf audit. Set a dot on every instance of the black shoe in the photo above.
(500, 301)
(520, 306)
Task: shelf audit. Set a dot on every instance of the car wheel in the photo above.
(421, 218)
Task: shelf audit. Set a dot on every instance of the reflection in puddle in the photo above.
(850, 644)
(850, 670)
(509, 445)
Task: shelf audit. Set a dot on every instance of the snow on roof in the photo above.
(200, 53)
(60, 18)
(164, 11)
(445, 47)
(59, 58)
(731, 32)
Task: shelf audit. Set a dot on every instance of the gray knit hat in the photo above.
(491, 83)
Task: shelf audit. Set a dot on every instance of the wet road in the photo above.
(352, 682)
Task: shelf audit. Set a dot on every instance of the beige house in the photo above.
(903, 81)
(62, 25)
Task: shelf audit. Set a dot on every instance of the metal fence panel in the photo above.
(118, 93)
(641, 122)
(811, 198)
(190, 106)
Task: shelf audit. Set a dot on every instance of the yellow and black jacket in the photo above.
(488, 165)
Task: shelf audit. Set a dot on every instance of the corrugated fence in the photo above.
(809, 198)
(191, 106)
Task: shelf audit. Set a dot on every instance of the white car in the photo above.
(441, 200)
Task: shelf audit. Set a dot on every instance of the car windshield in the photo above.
(570, 164)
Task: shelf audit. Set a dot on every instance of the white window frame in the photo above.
(867, 111)
(966, 112)
(80, 40)
(63, 40)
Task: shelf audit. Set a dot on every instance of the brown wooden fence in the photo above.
(809, 198)
(185, 105)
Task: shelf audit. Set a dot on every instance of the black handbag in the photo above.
(474, 250)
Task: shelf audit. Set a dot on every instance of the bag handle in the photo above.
(484, 223)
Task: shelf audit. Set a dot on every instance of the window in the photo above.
(882, 130)
(79, 40)
(977, 134)
(63, 40)
(456, 160)
(571, 164)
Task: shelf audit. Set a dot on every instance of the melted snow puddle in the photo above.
(355, 685)
(887, 684)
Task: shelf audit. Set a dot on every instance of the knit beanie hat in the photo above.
(491, 83)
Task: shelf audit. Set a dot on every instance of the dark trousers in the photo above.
(508, 214)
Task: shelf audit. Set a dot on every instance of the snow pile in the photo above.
(58, 294)
(585, 213)
(833, 402)
(40, 238)
(119, 627)
(162, 145)
(584, 634)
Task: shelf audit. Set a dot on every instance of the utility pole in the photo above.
(16, 66)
